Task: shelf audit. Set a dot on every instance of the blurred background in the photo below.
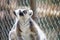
(47, 12)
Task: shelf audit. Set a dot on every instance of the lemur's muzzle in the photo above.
(21, 14)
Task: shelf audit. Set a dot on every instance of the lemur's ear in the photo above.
(31, 13)
(14, 13)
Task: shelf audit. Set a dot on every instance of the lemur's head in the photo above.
(23, 14)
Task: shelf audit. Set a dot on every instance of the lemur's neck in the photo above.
(24, 22)
(23, 26)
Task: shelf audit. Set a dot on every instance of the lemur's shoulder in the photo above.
(12, 34)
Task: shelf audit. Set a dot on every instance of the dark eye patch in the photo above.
(20, 13)
(25, 11)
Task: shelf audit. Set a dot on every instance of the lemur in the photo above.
(25, 28)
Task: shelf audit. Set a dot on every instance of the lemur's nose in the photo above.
(21, 14)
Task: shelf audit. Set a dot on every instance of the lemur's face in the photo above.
(23, 13)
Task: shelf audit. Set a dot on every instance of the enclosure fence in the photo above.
(49, 24)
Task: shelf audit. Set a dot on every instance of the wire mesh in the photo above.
(6, 24)
(51, 27)
(49, 24)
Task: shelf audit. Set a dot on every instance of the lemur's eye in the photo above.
(25, 11)
(21, 13)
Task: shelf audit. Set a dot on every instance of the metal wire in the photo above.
(49, 24)
(5, 25)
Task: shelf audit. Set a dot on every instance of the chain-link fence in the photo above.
(49, 24)
(6, 24)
